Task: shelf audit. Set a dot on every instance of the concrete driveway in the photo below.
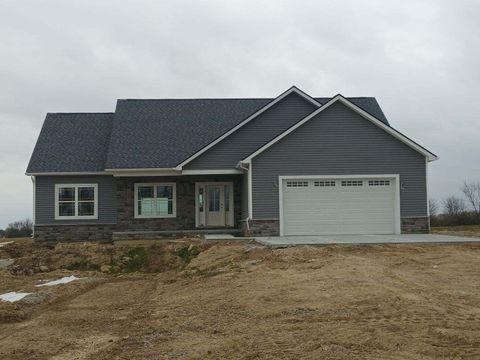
(363, 239)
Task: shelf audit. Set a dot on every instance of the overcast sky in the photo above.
(420, 59)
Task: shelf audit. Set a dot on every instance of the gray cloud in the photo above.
(419, 58)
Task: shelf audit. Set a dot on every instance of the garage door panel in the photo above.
(352, 206)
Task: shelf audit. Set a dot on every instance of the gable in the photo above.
(361, 114)
(266, 126)
(340, 136)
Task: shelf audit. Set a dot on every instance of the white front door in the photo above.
(214, 204)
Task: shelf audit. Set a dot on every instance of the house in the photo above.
(292, 165)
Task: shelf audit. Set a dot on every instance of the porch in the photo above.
(155, 207)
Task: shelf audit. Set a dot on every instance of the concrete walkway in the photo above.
(280, 241)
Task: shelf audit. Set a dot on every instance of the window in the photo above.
(325, 183)
(378, 182)
(297, 183)
(155, 200)
(76, 201)
(200, 199)
(214, 198)
(352, 183)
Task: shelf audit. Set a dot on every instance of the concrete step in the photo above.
(170, 234)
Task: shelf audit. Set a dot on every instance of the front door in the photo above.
(215, 202)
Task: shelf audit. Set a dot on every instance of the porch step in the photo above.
(170, 234)
(225, 237)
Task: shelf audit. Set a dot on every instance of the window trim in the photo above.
(174, 200)
(76, 216)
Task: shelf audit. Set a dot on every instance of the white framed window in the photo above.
(76, 201)
(155, 200)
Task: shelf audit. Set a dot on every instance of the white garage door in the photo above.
(338, 206)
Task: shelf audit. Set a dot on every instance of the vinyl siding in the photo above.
(338, 141)
(45, 199)
(228, 152)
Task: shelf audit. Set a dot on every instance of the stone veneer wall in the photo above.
(410, 225)
(74, 233)
(185, 219)
(415, 225)
(261, 228)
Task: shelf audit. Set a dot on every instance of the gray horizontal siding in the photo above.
(338, 141)
(247, 139)
(45, 199)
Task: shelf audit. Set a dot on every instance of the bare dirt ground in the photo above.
(239, 301)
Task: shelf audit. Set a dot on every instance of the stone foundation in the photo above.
(261, 228)
(415, 225)
(74, 233)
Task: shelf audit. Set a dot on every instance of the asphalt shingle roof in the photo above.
(145, 133)
(72, 142)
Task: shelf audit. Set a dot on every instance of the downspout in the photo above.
(240, 165)
(34, 205)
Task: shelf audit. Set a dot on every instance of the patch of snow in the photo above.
(5, 262)
(2, 244)
(63, 280)
(13, 296)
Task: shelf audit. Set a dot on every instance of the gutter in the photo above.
(240, 165)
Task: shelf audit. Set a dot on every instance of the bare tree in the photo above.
(471, 190)
(454, 205)
(22, 228)
(433, 207)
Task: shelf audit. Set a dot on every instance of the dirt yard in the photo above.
(190, 300)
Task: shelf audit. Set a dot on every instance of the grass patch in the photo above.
(187, 253)
(83, 265)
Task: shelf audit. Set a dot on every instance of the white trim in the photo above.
(68, 173)
(426, 193)
(141, 169)
(212, 172)
(430, 156)
(228, 223)
(172, 172)
(146, 173)
(143, 172)
(76, 202)
(293, 89)
(250, 191)
(395, 177)
(174, 200)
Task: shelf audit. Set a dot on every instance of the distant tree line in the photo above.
(455, 210)
(22, 228)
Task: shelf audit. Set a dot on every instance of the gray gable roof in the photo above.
(72, 142)
(145, 133)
